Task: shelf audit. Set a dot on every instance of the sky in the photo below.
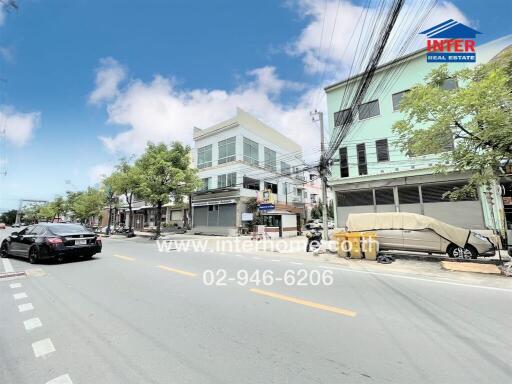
(85, 82)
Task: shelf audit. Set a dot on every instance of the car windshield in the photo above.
(67, 228)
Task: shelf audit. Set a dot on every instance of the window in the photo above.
(271, 186)
(343, 162)
(285, 167)
(408, 194)
(361, 159)
(433, 193)
(251, 152)
(384, 196)
(354, 198)
(397, 98)
(227, 150)
(382, 150)
(313, 197)
(369, 109)
(228, 180)
(449, 84)
(251, 183)
(270, 159)
(342, 118)
(213, 208)
(305, 195)
(206, 183)
(204, 156)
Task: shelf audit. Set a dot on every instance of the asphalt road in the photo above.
(136, 315)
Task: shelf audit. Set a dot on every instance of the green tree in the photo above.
(477, 114)
(9, 217)
(46, 212)
(59, 207)
(164, 172)
(71, 198)
(89, 204)
(124, 182)
(30, 213)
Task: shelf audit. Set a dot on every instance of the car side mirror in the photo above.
(14, 234)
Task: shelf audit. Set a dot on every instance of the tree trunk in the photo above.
(130, 219)
(158, 219)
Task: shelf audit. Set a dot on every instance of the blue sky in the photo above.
(158, 69)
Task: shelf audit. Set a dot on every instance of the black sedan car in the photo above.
(51, 241)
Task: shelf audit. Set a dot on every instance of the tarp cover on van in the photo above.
(407, 221)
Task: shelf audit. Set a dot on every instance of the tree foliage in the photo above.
(477, 114)
(164, 172)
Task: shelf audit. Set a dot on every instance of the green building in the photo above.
(370, 174)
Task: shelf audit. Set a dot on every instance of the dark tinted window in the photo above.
(361, 159)
(354, 198)
(384, 196)
(408, 194)
(67, 228)
(271, 186)
(433, 193)
(342, 117)
(396, 98)
(251, 183)
(382, 150)
(344, 162)
(369, 109)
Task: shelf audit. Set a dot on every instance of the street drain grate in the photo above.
(5, 275)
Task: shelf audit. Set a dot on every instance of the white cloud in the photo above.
(108, 77)
(99, 172)
(358, 22)
(159, 111)
(18, 126)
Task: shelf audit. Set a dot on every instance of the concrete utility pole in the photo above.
(323, 173)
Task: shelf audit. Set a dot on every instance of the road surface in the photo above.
(136, 315)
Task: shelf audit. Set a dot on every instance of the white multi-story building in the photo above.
(238, 159)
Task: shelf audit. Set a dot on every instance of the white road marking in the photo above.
(19, 296)
(32, 323)
(43, 347)
(64, 379)
(15, 285)
(7, 265)
(418, 279)
(256, 258)
(276, 260)
(25, 307)
(296, 263)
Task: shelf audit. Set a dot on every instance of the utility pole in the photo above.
(323, 170)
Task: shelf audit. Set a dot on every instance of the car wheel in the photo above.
(33, 255)
(467, 252)
(4, 250)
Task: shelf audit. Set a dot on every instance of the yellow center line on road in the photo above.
(127, 258)
(180, 271)
(323, 307)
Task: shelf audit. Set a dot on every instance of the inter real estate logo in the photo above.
(451, 42)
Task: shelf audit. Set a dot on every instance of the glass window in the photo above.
(271, 186)
(227, 180)
(204, 156)
(344, 162)
(354, 198)
(251, 152)
(382, 150)
(285, 167)
(206, 183)
(343, 117)
(250, 183)
(270, 160)
(369, 109)
(449, 84)
(361, 159)
(396, 98)
(384, 196)
(227, 150)
(408, 194)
